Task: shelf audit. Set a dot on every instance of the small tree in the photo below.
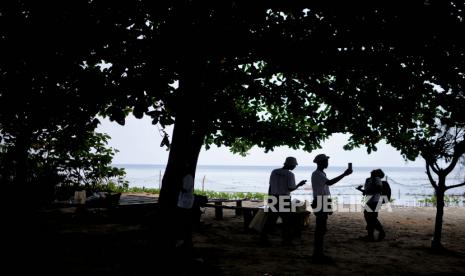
(412, 95)
(448, 146)
(433, 128)
(79, 160)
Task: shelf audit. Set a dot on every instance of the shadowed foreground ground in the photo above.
(404, 251)
(100, 243)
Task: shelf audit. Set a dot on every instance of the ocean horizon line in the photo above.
(265, 166)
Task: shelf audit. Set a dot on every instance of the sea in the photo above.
(408, 184)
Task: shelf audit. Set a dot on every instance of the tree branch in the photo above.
(455, 186)
(431, 163)
(459, 150)
(430, 177)
(435, 168)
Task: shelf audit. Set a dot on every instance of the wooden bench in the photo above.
(219, 203)
(247, 212)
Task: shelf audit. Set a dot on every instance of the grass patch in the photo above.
(448, 201)
(115, 188)
(231, 195)
(209, 194)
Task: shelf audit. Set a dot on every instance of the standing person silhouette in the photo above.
(373, 187)
(321, 201)
(184, 212)
(282, 183)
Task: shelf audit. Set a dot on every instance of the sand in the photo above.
(404, 251)
(98, 242)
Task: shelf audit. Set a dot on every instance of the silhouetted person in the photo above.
(282, 183)
(185, 215)
(372, 189)
(199, 202)
(321, 203)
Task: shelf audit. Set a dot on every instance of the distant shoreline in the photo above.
(267, 166)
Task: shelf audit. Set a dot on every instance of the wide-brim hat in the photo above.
(320, 157)
(290, 161)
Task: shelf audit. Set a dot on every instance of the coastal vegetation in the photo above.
(449, 201)
(64, 192)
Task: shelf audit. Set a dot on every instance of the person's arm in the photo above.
(360, 189)
(301, 183)
(271, 182)
(338, 178)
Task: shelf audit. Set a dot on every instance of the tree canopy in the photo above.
(233, 73)
(48, 96)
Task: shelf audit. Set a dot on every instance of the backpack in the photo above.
(386, 190)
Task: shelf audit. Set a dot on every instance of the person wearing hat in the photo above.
(282, 183)
(373, 187)
(321, 200)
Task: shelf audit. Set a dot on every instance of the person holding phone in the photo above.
(372, 189)
(321, 201)
(282, 183)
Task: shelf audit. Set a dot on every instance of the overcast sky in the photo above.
(139, 143)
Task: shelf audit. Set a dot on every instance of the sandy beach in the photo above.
(404, 251)
(98, 242)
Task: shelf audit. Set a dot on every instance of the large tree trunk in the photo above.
(189, 129)
(436, 241)
(184, 152)
(188, 136)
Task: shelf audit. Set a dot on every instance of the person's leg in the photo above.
(370, 228)
(183, 228)
(373, 217)
(271, 218)
(320, 231)
(286, 228)
(287, 224)
(378, 226)
(189, 228)
(375, 224)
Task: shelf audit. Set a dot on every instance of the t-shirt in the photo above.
(319, 186)
(372, 188)
(186, 195)
(281, 181)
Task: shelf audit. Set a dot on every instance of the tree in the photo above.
(237, 95)
(225, 95)
(85, 162)
(290, 75)
(57, 161)
(417, 106)
(435, 133)
(48, 96)
(449, 146)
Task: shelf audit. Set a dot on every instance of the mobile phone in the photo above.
(350, 166)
